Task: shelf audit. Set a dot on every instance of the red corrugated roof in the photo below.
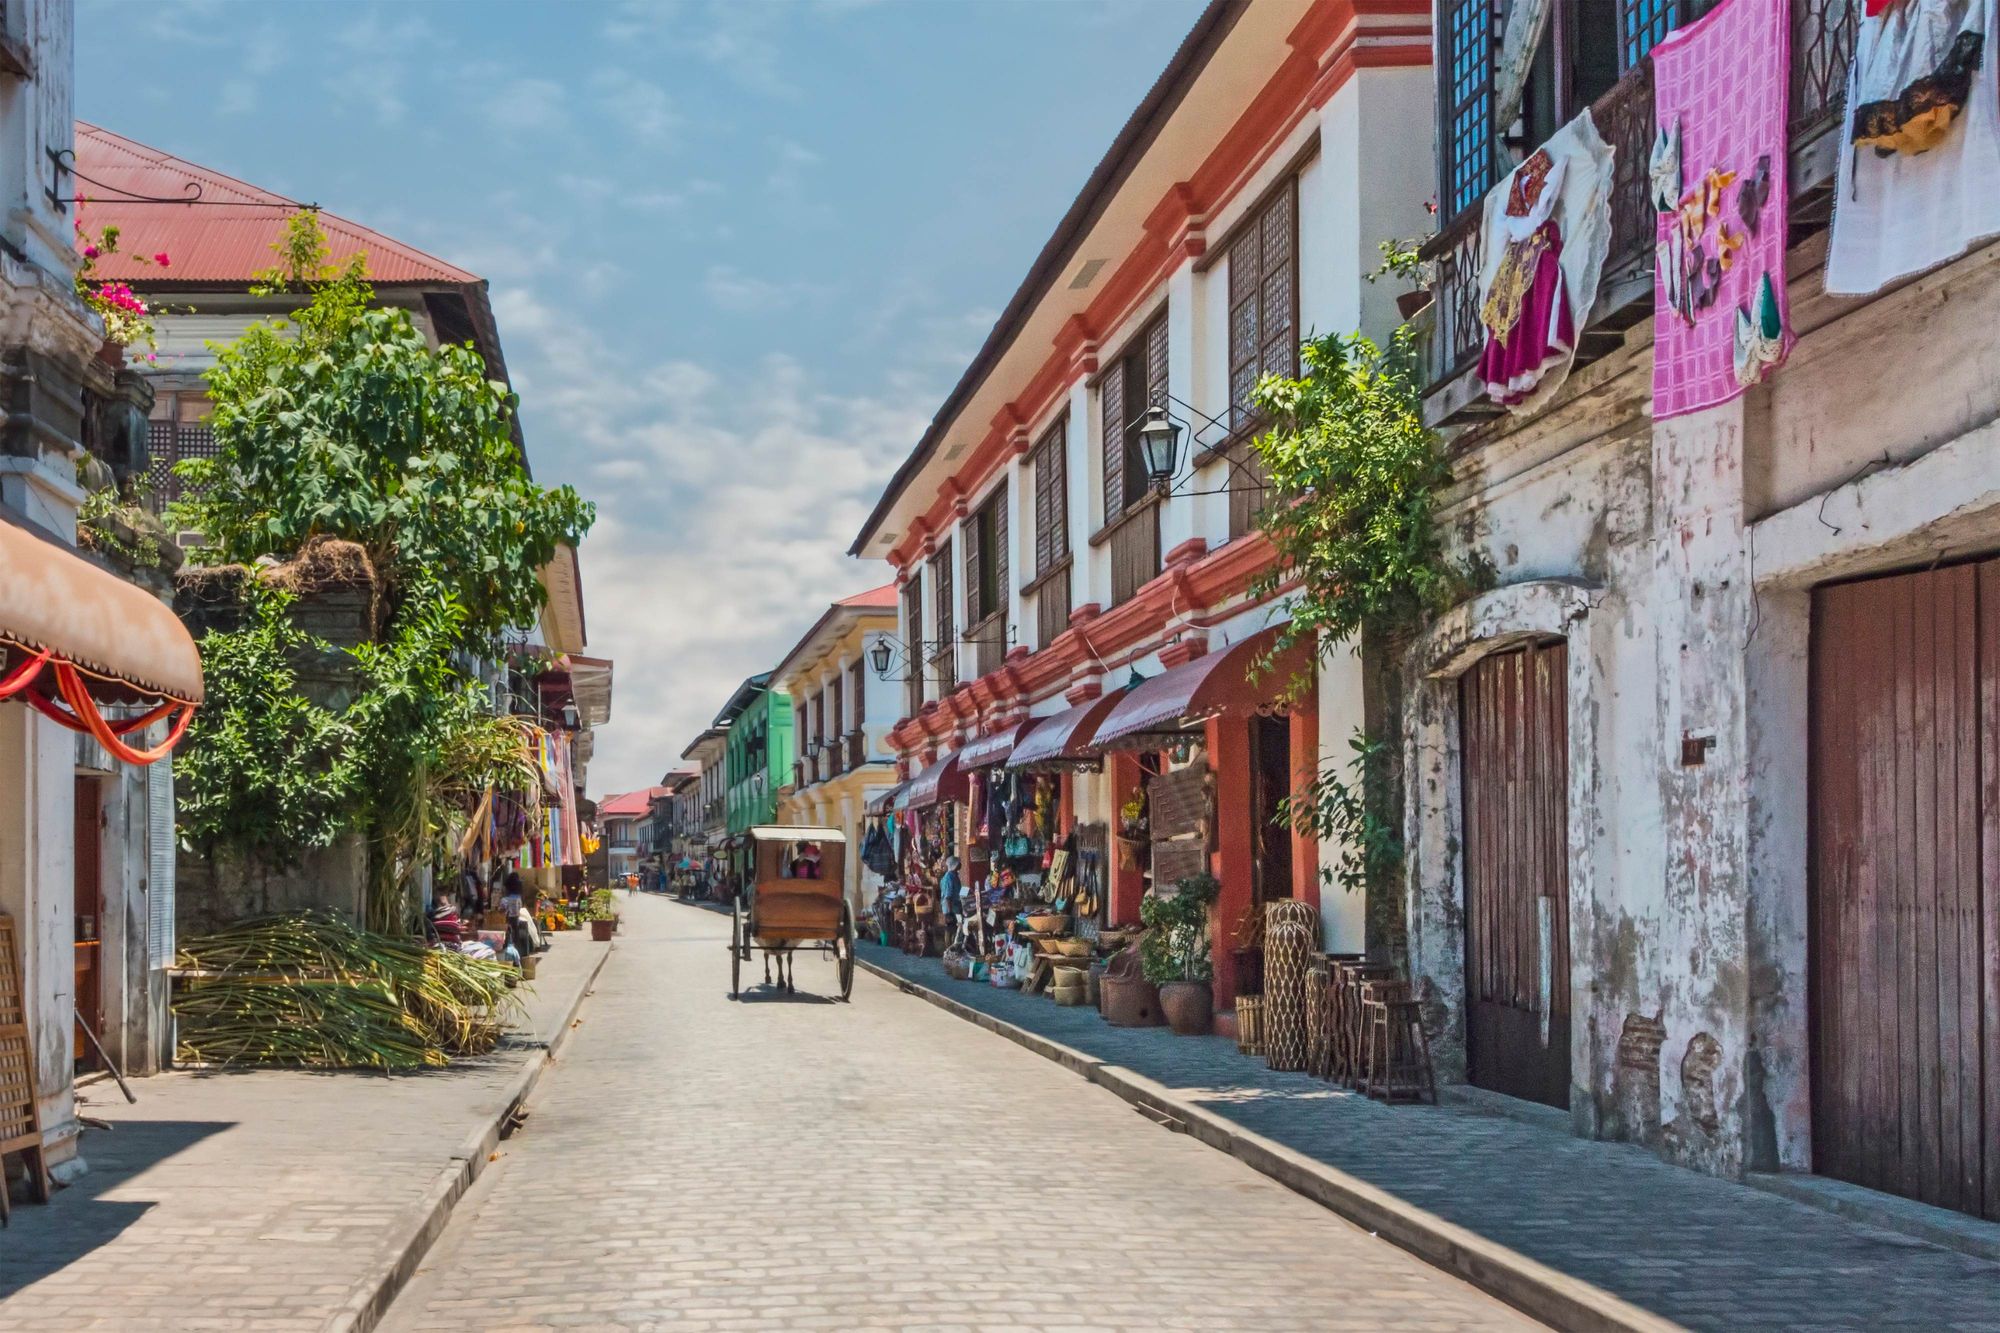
(629, 803)
(207, 244)
(882, 596)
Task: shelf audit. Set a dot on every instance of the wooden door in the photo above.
(1904, 724)
(1514, 748)
(1271, 751)
(89, 934)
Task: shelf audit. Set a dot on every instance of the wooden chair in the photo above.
(20, 1121)
(1397, 1053)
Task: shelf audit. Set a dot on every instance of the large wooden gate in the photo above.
(1514, 748)
(1905, 719)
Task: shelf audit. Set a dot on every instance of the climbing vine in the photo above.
(1357, 474)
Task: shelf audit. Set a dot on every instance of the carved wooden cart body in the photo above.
(794, 898)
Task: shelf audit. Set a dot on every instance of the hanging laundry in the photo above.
(1919, 181)
(1546, 231)
(1719, 274)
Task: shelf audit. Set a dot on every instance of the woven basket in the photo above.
(1291, 937)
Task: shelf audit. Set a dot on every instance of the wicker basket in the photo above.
(1291, 938)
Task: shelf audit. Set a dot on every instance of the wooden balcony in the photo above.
(1822, 48)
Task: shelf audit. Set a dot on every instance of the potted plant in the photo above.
(1131, 830)
(1175, 954)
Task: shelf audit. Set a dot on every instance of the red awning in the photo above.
(1060, 740)
(73, 636)
(990, 750)
(1227, 681)
(940, 782)
(884, 802)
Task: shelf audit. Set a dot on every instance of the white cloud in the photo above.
(526, 104)
(743, 294)
(726, 503)
(738, 37)
(639, 106)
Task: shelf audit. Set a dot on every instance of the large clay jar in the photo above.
(1129, 1002)
(1189, 1006)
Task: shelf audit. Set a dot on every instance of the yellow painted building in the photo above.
(842, 714)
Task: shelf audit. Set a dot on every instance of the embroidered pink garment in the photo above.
(1722, 79)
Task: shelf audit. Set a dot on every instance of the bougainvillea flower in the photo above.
(161, 259)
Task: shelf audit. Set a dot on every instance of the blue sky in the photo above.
(739, 250)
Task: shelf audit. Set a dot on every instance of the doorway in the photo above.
(89, 919)
(1514, 747)
(1271, 755)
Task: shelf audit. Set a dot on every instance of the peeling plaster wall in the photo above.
(1676, 558)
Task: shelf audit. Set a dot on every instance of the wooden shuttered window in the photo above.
(1263, 300)
(913, 633)
(1136, 378)
(945, 630)
(1051, 465)
(985, 539)
(860, 692)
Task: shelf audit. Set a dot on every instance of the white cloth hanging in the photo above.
(1904, 213)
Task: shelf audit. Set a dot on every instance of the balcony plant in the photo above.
(1175, 952)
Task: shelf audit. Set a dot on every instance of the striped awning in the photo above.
(1234, 680)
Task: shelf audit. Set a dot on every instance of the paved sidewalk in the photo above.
(1699, 1251)
(269, 1199)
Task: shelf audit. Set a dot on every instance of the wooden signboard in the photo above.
(1178, 807)
(1177, 802)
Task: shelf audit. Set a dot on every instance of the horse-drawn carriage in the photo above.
(793, 897)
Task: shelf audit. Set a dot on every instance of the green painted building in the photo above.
(757, 756)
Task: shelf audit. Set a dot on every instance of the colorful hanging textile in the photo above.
(1545, 233)
(1718, 186)
(1920, 172)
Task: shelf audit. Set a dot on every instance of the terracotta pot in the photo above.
(601, 931)
(1129, 1003)
(1189, 1007)
(1409, 303)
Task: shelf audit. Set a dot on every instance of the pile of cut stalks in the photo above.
(314, 990)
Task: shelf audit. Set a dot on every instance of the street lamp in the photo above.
(880, 657)
(1159, 446)
(569, 717)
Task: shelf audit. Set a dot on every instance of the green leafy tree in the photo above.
(1358, 473)
(342, 420)
(1177, 936)
(264, 771)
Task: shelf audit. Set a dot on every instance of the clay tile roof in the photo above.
(882, 596)
(629, 803)
(208, 245)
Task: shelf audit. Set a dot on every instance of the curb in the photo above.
(1531, 1287)
(371, 1298)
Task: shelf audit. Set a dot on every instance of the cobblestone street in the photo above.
(694, 1163)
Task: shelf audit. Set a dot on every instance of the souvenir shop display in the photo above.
(1919, 177)
(1718, 188)
(1545, 233)
(1291, 938)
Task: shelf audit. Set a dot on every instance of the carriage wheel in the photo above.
(843, 952)
(735, 950)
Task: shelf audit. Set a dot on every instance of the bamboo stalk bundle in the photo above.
(316, 990)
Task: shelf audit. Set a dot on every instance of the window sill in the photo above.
(1046, 577)
(1139, 506)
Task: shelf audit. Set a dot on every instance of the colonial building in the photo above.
(1697, 847)
(707, 822)
(86, 799)
(202, 296)
(757, 752)
(1066, 591)
(842, 713)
